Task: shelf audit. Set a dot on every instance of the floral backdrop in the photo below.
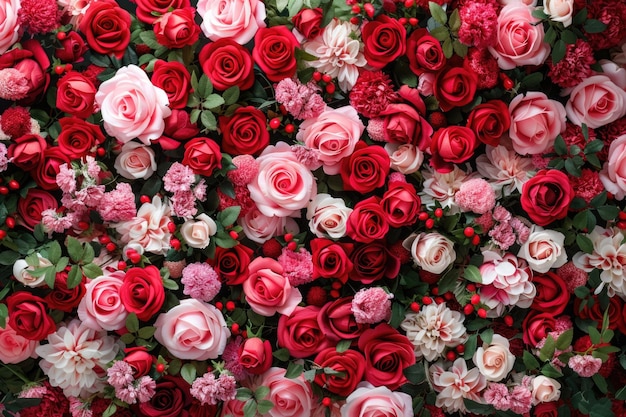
(294, 208)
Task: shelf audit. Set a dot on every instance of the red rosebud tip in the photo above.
(448, 296)
(235, 328)
(230, 305)
(83, 225)
(334, 293)
(476, 240)
(622, 215)
(354, 20)
(471, 287)
(101, 152)
(336, 285)
(621, 224)
(413, 21)
(439, 300)
(423, 216)
(244, 334)
(403, 21)
(10, 222)
(415, 307)
(104, 239)
(317, 76)
(408, 3)
(171, 227)
(59, 69)
(356, 9)
(61, 35)
(111, 246)
(175, 243)
(468, 309)
(233, 234)
(435, 291)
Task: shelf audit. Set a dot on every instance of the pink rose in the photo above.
(613, 174)
(291, 396)
(136, 161)
(333, 134)
(405, 158)
(596, 101)
(238, 20)
(268, 291)
(32, 62)
(535, 122)
(283, 185)
(15, 348)
(260, 228)
(255, 355)
(101, 307)
(368, 400)
(9, 24)
(192, 330)
(132, 107)
(520, 38)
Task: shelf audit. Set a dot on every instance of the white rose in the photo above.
(238, 20)
(21, 271)
(197, 233)
(328, 216)
(405, 158)
(136, 161)
(495, 360)
(544, 250)
(559, 10)
(545, 390)
(431, 251)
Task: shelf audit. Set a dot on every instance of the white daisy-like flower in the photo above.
(458, 383)
(441, 187)
(73, 357)
(434, 328)
(505, 170)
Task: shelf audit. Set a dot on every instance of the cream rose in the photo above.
(197, 232)
(596, 101)
(101, 307)
(135, 161)
(559, 10)
(368, 400)
(494, 360)
(405, 158)
(328, 216)
(9, 24)
(544, 250)
(545, 390)
(260, 228)
(238, 20)
(192, 330)
(13, 347)
(21, 272)
(431, 251)
(613, 174)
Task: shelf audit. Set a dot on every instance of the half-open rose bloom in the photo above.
(350, 362)
(424, 52)
(559, 10)
(255, 355)
(432, 252)
(13, 347)
(102, 307)
(176, 28)
(106, 27)
(546, 196)
(268, 291)
(142, 291)
(75, 95)
(328, 216)
(544, 250)
(596, 101)
(32, 62)
(28, 316)
(227, 64)
(238, 20)
(135, 161)
(368, 400)
(384, 39)
(291, 396)
(275, 52)
(175, 80)
(300, 332)
(452, 145)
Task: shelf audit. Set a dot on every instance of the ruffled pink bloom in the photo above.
(120, 374)
(586, 366)
(246, 171)
(371, 305)
(200, 281)
(574, 67)
(54, 222)
(146, 388)
(297, 266)
(302, 101)
(479, 23)
(372, 93)
(119, 204)
(521, 400)
(13, 84)
(475, 195)
(178, 178)
(498, 395)
(574, 277)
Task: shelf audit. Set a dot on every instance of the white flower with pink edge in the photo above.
(544, 250)
(457, 384)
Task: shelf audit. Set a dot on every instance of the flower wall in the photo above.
(296, 208)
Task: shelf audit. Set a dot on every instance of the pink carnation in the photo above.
(475, 195)
(521, 400)
(372, 93)
(586, 366)
(13, 85)
(503, 235)
(120, 375)
(54, 222)
(574, 67)
(210, 390)
(231, 359)
(371, 305)
(146, 388)
(479, 24)
(118, 205)
(246, 171)
(498, 396)
(301, 100)
(178, 178)
(184, 204)
(201, 281)
(573, 276)
(521, 230)
(397, 177)
(307, 157)
(297, 266)
(588, 185)
(501, 214)
(485, 222)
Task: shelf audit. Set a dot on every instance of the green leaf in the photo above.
(594, 146)
(540, 14)
(478, 408)
(170, 284)
(472, 273)
(231, 95)
(74, 277)
(249, 408)
(448, 49)
(585, 220)
(8, 257)
(580, 17)
(223, 240)
(600, 383)
(127, 338)
(74, 248)
(88, 254)
(621, 394)
(188, 372)
(294, 370)
(281, 354)
(111, 409)
(61, 264)
(208, 120)
(560, 147)
(261, 392)
(584, 243)
(547, 351)
(263, 406)
(530, 362)
(213, 101)
(594, 26)
(565, 339)
(437, 13)
(459, 48)
(558, 51)
(229, 215)
(455, 21)
(92, 270)
(598, 200)
(343, 345)
(550, 36)
(470, 346)
(568, 37)
(550, 371)
(416, 374)
(572, 168)
(205, 87)
(581, 292)
(149, 39)
(50, 275)
(281, 5)
(132, 323)
(594, 161)
(441, 33)
(398, 314)
(146, 332)
(244, 394)
(54, 252)
(594, 335)
(4, 314)
(487, 336)
(608, 212)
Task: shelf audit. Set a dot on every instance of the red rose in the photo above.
(546, 196)
(177, 28)
(372, 262)
(231, 265)
(30, 207)
(175, 80)
(227, 64)
(387, 353)
(28, 316)
(46, 173)
(300, 332)
(203, 156)
(309, 22)
(337, 321)
(424, 52)
(172, 398)
(593, 311)
(552, 294)
(72, 48)
(490, 121)
(275, 52)
(536, 326)
(549, 409)
(366, 169)
(351, 365)
(401, 204)
(63, 298)
(255, 355)
(33, 63)
(451, 145)
(367, 222)
(454, 87)
(78, 138)
(403, 124)
(106, 27)
(331, 259)
(245, 132)
(149, 10)
(139, 359)
(178, 128)
(26, 152)
(384, 40)
(142, 292)
(75, 95)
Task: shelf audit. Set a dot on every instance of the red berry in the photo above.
(334, 293)
(14, 185)
(326, 402)
(61, 35)
(402, 21)
(175, 243)
(134, 257)
(622, 215)
(104, 239)
(482, 313)
(460, 348)
(336, 285)
(289, 128)
(233, 234)
(171, 227)
(451, 355)
(439, 300)
(413, 21)
(471, 287)
(283, 110)
(426, 300)
(438, 212)
(230, 305)
(244, 334)
(354, 20)
(4, 190)
(83, 225)
(144, 199)
(621, 224)
(356, 9)
(317, 76)
(10, 222)
(235, 328)
(160, 368)
(430, 223)
(508, 320)
(101, 152)
(475, 299)
(111, 246)
(68, 67)
(469, 231)
(327, 78)
(288, 237)
(275, 123)
(448, 296)
(219, 305)
(423, 216)
(468, 309)
(292, 246)
(369, 9)
(476, 240)
(408, 3)
(3, 234)
(330, 88)
(59, 69)
(121, 265)
(414, 306)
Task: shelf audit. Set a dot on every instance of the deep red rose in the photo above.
(552, 294)
(309, 22)
(178, 128)
(401, 204)
(403, 124)
(350, 363)
(227, 64)
(142, 292)
(549, 409)
(384, 41)
(75, 95)
(149, 10)
(33, 63)
(172, 398)
(26, 152)
(536, 326)
(367, 222)
(139, 359)
(255, 355)
(387, 353)
(203, 156)
(231, 264)
(28, 316)
(374, 261)
(452, 145)
(454, 87)
(33, 204)
(63, 298)
(46, 173)
(546, 196)
(78, 138)
(331, 259)
(177, 28)
(72, 48)
(366, 169)
(275, 52)
(106, 27)
(245, 132)
(300, 332)
(490, 121)
(424, 52)
(175, 80)
(595, 312)
(337, 321)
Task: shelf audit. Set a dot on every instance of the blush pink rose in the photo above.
(613, 174)
(535, 122)
(238, 20)
(15, 348)
(520, 38)
(368, 400)
(268, 291)
(333, 134)
(132, 107)
(291, 396)
(192, 330)
(9, 24)
(596, 101)
(135, 161)
(283, 185)
(101, 307)
(260, 228)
